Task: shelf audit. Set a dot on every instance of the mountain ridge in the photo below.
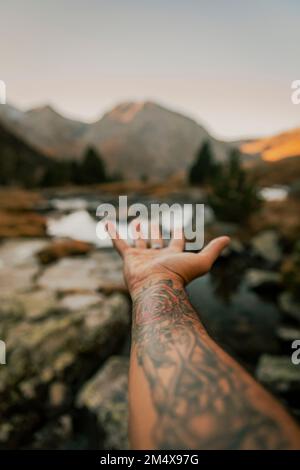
(20, 163)
(136, 139)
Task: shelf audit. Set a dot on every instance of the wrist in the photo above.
(154, 281)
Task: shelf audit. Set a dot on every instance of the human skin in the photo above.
(185, 392)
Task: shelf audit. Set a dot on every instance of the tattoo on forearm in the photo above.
(200, 400)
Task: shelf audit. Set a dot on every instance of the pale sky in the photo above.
(227, 63)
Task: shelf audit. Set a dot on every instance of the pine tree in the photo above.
(204, 167)
(92, 168)
(234, 197)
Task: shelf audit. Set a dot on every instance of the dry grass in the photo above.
(286, 144)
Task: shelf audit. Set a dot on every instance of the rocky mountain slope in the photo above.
(141, 139)
(45, 129)
(19, 162)
(135, 139)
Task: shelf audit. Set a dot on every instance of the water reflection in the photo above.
(243, 322)
(274, 193)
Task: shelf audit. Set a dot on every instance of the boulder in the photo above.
(63, 248)
(50, 357)
(266, 246)
(97, 329)
(38, 303)
(14, 280)
(80, 301)
(21, 252)
(262, 281)
(104, 397)
(99, 270)
(109, 269)
(70, 274)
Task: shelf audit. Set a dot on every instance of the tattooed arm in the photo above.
(185, 392)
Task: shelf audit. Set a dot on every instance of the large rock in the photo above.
(63, 248)
(266, 246)
(70, 274)
(109, 269)
(50, 357)
(21, 252)
(97, 329)
(80, 301)
(262, 281)
(13, 280)
(104, 396)
(98, 271)
(38, 303)
(18, 265)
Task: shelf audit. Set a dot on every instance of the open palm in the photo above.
(142, 261)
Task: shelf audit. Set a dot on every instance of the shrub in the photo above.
(233, 195)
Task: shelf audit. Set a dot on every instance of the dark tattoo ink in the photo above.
(201, 401)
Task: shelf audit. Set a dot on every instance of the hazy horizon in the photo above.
(227, 66)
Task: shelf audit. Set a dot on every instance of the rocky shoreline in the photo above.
(59, 329)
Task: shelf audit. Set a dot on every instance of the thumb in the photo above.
(212, 251)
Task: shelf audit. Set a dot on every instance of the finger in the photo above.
(140, 242)
(177, 242)
(212, 251)
(120, 245)
(139, 239)
(156, 239)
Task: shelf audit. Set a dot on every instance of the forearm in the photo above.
(185, 391)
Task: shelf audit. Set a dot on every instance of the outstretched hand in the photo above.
(149, 259)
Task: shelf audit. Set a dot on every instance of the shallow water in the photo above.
(274, 193)
(243, 322)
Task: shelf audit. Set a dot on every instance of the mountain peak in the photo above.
(44, 109)
(126, 112)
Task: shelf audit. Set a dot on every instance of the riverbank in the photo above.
(65, 318)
